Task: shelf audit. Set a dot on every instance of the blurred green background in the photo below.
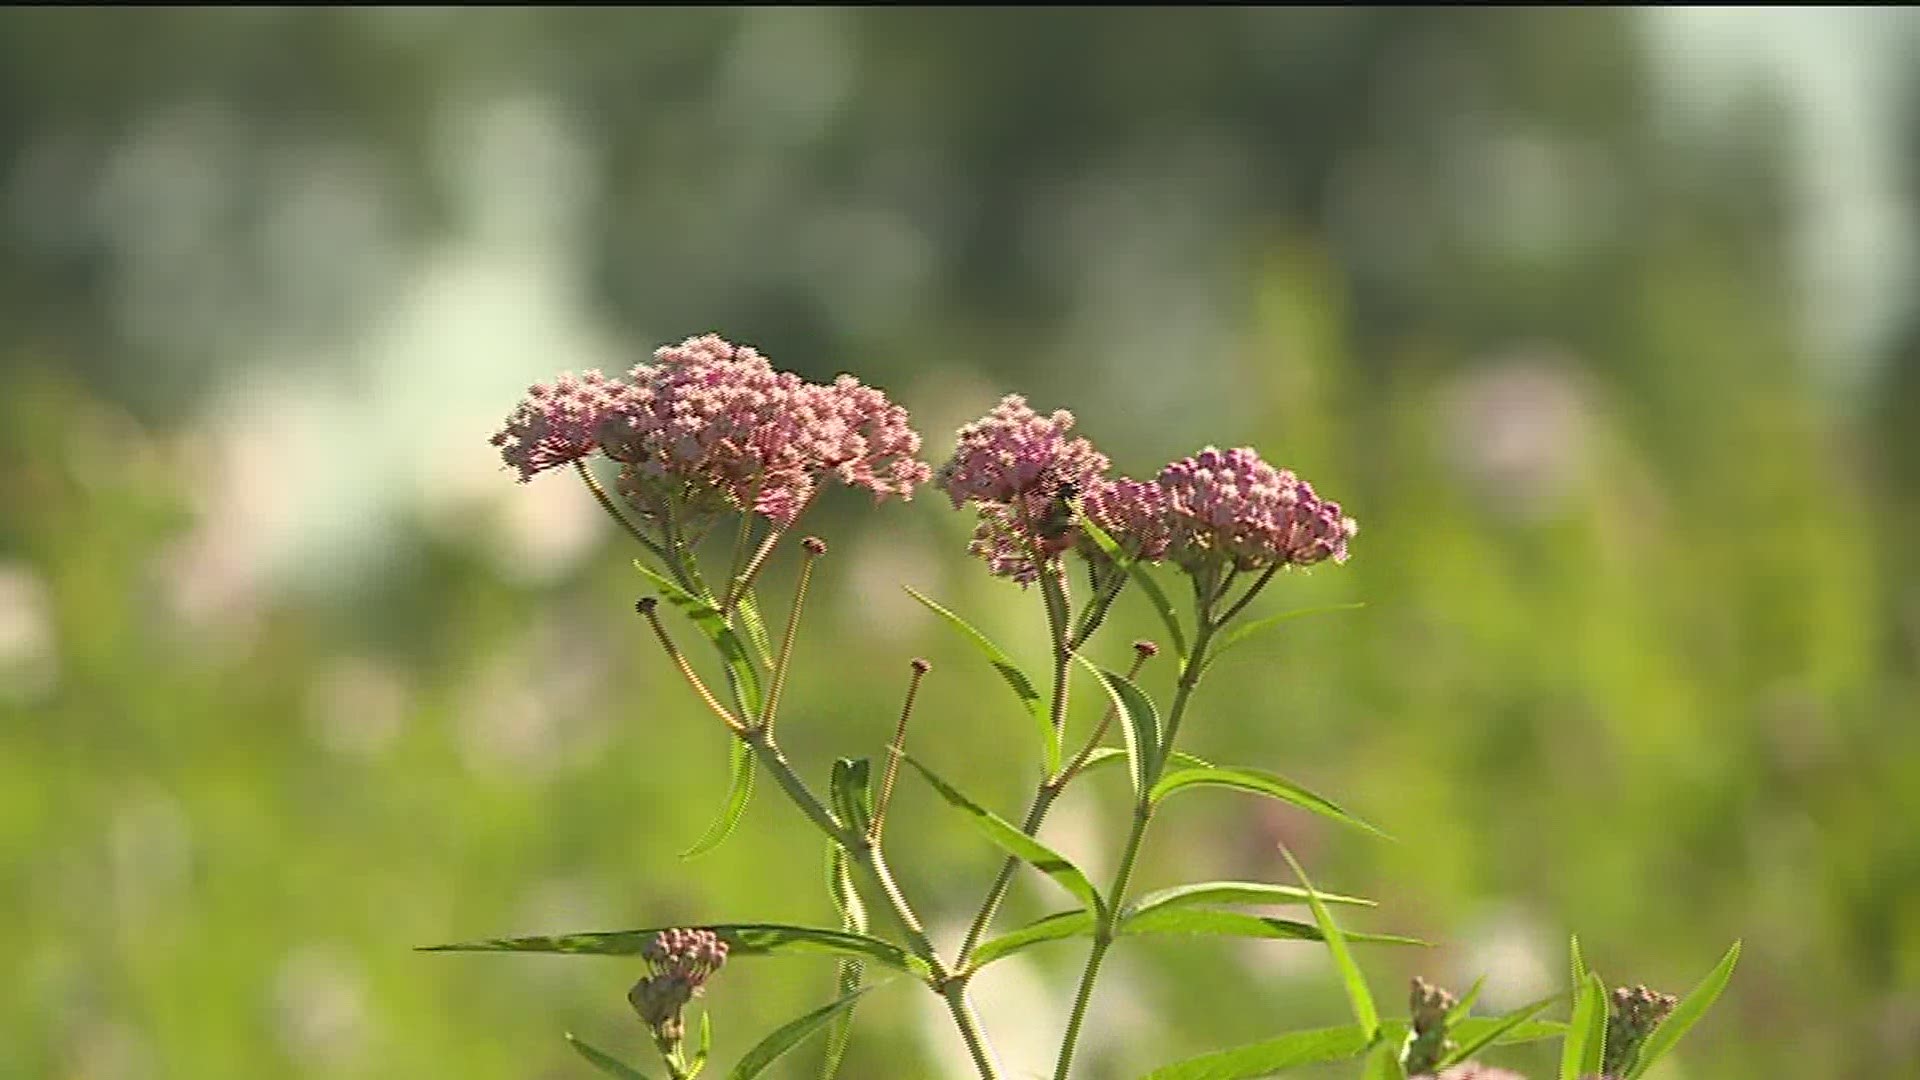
(1602, 324)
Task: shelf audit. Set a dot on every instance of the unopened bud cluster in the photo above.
(681, 962)
(1428, 1006)
(1635, 1012)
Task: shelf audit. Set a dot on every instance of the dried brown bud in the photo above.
(920, 666)
(814, 545)
(1147, 649)
(646, 604)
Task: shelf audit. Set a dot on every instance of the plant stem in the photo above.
(1042, 801)
(1142, 814)
(969, 1025)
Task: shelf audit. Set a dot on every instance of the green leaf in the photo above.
(700, 1055)
(1576, 962)
(1241, 634)
(707, 617)
(743, 939)
(1015, 678)
(853, 919)
(1464, 1007)
(739, 790)
(603, 1061)
(1056, 927)
(1662, 1039)
(1169, 920)
(1585, 1048)
(1138, 572)
(851, 790)
(1259, 783)
(1229, 892)
(1106, 755)
(789, 1035)
(1364, 1012)
(1017, 843)
(1384, 1062)
(1265, 1058)
(1142, 728)
(1473, 1036)
(756, 627)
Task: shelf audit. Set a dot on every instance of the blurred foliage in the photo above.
(1639, 652)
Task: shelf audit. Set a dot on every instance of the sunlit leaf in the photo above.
(603, 1061)
(739, 789)
(1107, 755)
(1203, 893)
(1384, 1062)
(1464, 1007)
(1364, 1012)
(1270, 1056)
(707, 617)
(1142, 722)
(1687, 1013)
(1205, 921)
(1009, 672)
(1017, 843)
(1258, 783)
(1246, 631)
(789, 1035)
(851, 791)
(1585, 1048)
(1056, 927)
(756, 628)
(743, 939)
(1473, 1036)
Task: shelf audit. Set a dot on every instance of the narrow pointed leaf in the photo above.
(1582, 1053)
(1015, 679)
(606, 1063)
(1142, 722)
(707, 617)
(1687, 1013)
(1270, 1056)
(756, 628)
(1241, 634)
(789, 1035)
(706, 1042)
(1259, 783)
(1464, 1007)
(853, 919)
(1017, 843)
(1107, 755)
(1384, 1062)
(1364, 1012)
(1473, 1036)
(1056, 927)
(743, 939)
(851, 791)
(1204, 893)
(1576, 962)
(739, 790)
(1138, 572)
(1205, 921)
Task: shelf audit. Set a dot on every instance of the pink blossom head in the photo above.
(1473, 1070)
(1133, 513)
(557, 423)
(711, 426)
(1230, 506)
(1014, 451)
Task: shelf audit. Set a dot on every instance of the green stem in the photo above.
(1142, 814)
(1042, 802)
(969, 1025)
(606, 503)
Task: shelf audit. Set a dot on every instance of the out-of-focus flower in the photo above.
(1472, 1070)
(1232, 507)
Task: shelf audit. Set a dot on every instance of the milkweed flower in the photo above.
(1021, 470)
(711, 426)
(1229, 506)
(1473, 1070)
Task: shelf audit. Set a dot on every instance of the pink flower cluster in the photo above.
(1232, 504)
(1020, 469)
(711, 425)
